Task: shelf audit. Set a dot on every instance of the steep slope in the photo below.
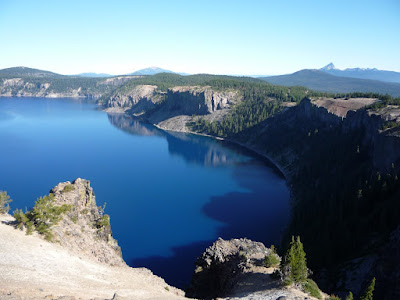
(84, 263)
(343, 172)
(321, 81)
(139, 99)
(373, 74)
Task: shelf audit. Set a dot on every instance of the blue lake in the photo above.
(169, 195)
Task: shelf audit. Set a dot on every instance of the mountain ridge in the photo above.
(325, 82)
(151, 71)
(363, 73)
(28, 72)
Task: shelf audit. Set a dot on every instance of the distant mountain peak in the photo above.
(328, 67)
(150, 71)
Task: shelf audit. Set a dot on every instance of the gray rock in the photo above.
(85, 230)
(222, 265)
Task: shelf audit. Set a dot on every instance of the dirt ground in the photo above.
(32, 268)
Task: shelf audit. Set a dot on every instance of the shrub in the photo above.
(333, 297)
(42, 216)
(103, 221)
(271, 260)
(68, 188)
(20, 217)
(310, 287)
(350, 296)
(368, 293)
(4, 202)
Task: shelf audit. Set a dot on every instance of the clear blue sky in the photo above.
(218, 36)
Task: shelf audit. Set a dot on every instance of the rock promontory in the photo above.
(85, 229)
(236, 269)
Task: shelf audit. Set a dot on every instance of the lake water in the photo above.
(169, 195)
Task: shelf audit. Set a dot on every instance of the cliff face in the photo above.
(84, 229)
(274, 136)
(343, 176)
(189, 100)
(172, 110)
(182, 102)
(383, 145)
(140, 99)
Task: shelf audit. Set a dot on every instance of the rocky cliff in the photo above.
(56, 87)
(179, 101)
(140, 99)
(183, 102)
(85, 229)
(342, 167)
(235, 269)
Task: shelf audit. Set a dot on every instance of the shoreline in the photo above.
(266, 156)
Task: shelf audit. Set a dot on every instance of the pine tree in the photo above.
(4, 202)
(294, 267)
(368, 294)
(349, 296)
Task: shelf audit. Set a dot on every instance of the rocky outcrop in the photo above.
(235, 269)
(138, 100)
(221, 266)
(85, 230)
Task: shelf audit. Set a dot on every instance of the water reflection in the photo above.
(196, 149)
(132, 125)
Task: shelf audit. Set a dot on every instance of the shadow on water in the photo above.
(176, 270)
(258, 211)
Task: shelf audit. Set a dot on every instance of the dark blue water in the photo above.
(169, 195)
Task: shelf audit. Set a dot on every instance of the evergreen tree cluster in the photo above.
(294, 264)
(294, 271)
(42, 216)
(243, 116)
